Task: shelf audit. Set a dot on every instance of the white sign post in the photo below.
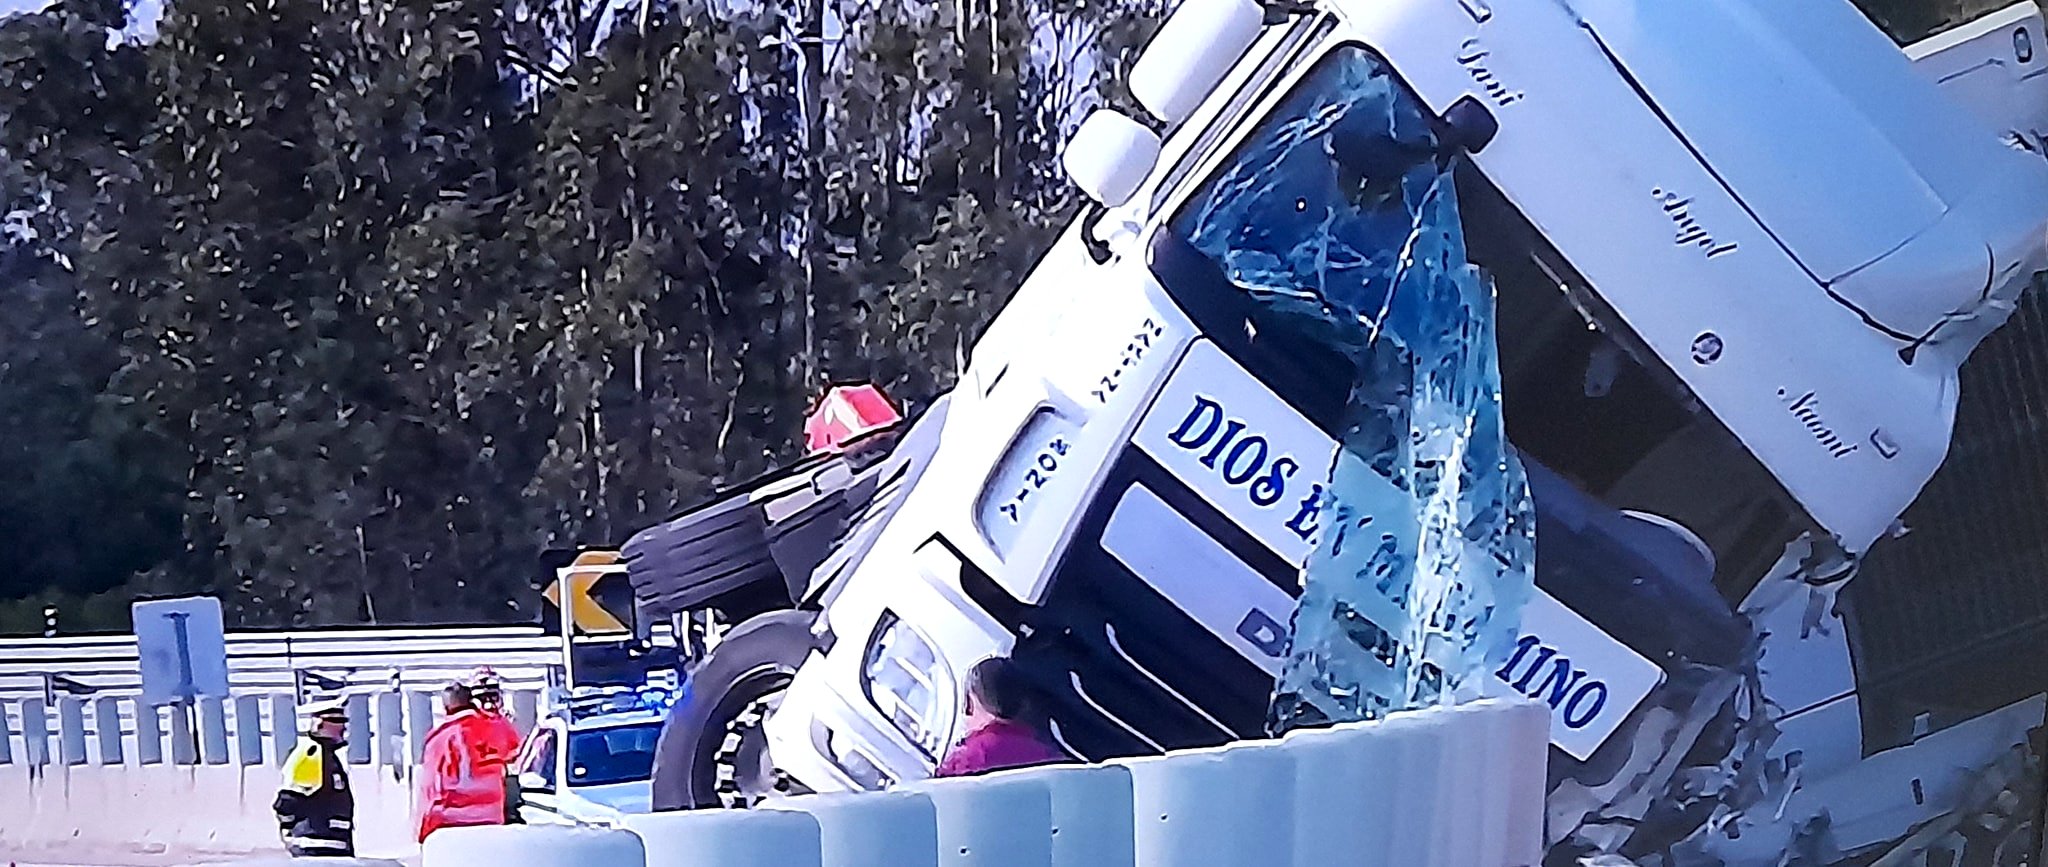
(182, 646)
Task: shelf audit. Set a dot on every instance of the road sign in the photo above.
(575, 592)
(182, 648)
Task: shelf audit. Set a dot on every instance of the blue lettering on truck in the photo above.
(1264, 633)
(1241, 459)
(1561, 688)
(1246, 452)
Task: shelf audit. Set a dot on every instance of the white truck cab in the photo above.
(1733, 297)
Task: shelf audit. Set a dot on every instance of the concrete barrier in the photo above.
(1336, 819)
(287, 861)
(100, 781)
(899, 829)
(214, 809)
(1092, 815)
(1457, 787)
(726, 838)
(996, 821)
(1225, 806)
(535, 846)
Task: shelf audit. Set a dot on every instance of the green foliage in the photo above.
(368, 306)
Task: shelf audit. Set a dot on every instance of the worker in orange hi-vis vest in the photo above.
(502, 735)
(462, 774)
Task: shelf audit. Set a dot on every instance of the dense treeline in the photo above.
(348, 312)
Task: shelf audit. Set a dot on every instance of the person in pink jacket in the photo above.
(1000, 734)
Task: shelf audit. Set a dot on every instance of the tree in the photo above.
(327, 188)
(81, 496)
(404, 298)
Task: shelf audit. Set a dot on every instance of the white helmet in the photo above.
(325, 710)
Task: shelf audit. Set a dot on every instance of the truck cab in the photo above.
(1732, 303)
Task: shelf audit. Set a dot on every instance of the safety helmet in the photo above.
(485, 687)
(483, 679)
(326, 710)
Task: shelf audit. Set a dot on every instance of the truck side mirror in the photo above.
(1110, 156)
(532, 782)
(1469, 125)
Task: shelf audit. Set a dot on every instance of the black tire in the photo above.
(752, 665)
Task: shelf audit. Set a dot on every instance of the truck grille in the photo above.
(1951, 620)
(1124, 670)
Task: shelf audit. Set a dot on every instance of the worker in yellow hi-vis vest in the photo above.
(315, 808)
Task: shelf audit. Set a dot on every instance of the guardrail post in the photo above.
(525, 708)
(35, 732)
(184, 740)
(213, 731)
(419, 720)
(728, 838)
(71, 730)
(6, 737)
(106, 723)
(389, 723)
(899, 829)
(358, 748)
(284, 726)
(248, 730)
(149, 733)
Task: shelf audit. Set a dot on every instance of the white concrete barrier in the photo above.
(726, 838)
(996, 821)
(1092, 818)
(100, 780)
(1457, 787)
(535, 846)
(221, 809)
(898, 829)
(1418, 744)
(1524, 771)
(1226, 806)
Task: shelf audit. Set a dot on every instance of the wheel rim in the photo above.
(743, 774)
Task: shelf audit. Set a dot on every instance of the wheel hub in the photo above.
(746, 775)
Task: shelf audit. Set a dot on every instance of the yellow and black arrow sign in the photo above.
(594, 576)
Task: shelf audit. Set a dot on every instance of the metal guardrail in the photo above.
(265, 662)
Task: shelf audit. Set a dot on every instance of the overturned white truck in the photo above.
(1741, 250)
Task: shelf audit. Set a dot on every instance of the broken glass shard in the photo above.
(1339, 216)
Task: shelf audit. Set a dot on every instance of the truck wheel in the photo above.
(712, 751)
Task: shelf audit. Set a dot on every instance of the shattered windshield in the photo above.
(1339, 218)
(1301, 213)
